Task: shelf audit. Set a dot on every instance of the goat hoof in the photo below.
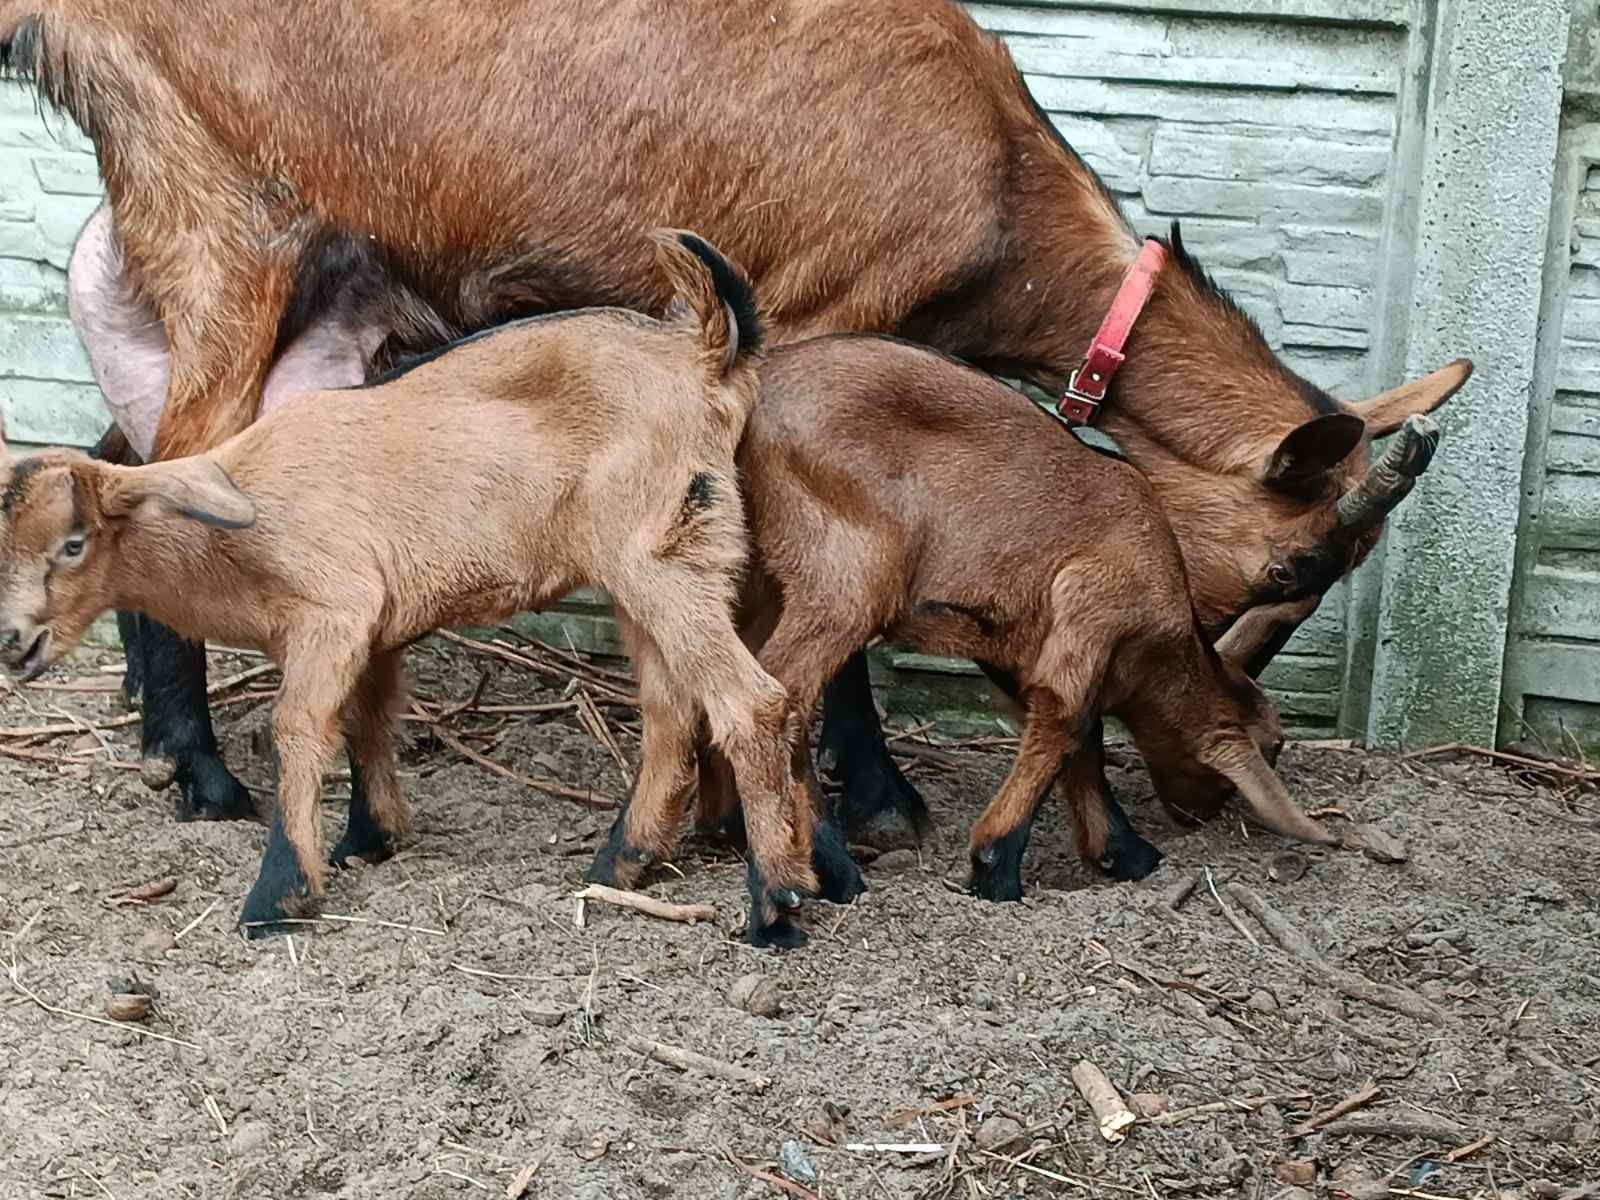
(996, 874)
(207, 791)
(367, 850)
(838, 877)
(781, 934)
(1130, 859)
(265, 916)
(876, 805)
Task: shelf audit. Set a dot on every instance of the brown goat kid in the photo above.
(596, 447)
(315, 183)
(895, 493)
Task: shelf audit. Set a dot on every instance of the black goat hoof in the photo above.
(207, 791)
(1130, 859)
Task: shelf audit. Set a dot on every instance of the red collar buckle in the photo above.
(1086, 386)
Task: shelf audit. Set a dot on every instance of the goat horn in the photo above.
(1392, 476)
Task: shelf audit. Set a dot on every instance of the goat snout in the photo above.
(23, 646)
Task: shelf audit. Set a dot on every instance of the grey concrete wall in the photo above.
(48, 188)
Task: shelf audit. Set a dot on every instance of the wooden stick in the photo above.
(1179, 1115)
(1584, 773)
(500, 651)
(909, 1115)
(1434, 1129)
(69, 726)
(549, 787)
(777, 1181)
(1471, 1148)
(1229, 913)
(124, 1026)
(595, 725)
(649, 905)
(1177, 895)
(1357, 987)
(1112, 1116)
(1358, 1099)
(688, 1060)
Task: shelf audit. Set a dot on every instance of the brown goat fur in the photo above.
(895, 493)
(442, 168)
(596, 447)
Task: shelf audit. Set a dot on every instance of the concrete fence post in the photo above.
(1482, 219)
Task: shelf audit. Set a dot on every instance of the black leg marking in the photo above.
(877, 801)
(770, 923)
(130, 630)
(617, 864)
(277, 889)
(177, 726)
(362, 838)
(997, 867)
(1128, 856)
(838, 877)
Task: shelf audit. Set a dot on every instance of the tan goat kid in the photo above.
(595, 447)
(895, 493)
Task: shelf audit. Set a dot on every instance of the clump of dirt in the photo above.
(463, 1032)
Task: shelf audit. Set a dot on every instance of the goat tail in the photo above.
(716, 293)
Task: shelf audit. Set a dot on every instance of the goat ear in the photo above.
(191, 487)
(1312, 450)
(1387, 411)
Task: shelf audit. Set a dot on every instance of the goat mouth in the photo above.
(37, 660)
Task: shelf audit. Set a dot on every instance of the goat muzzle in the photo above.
(1392, 477)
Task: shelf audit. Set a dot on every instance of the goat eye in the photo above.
(73, 546)
(1280, 575)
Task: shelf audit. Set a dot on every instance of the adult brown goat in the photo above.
(316, 183)
(498, 480)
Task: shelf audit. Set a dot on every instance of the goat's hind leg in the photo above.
(1000, 836)
(378, 816)
(178, 743)
(876, 802)
(645, 832)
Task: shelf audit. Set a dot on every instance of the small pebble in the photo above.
(794, 1164)
(1380, 846)
(896, 862)
(1262, 1001)
(249, 1138)
(154, 944)
(1149, 1104)
(1288, 866)
(997, 1132)
(756, 994)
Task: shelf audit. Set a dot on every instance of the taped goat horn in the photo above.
(1392, 476)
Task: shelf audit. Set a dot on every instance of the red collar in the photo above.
(1086, 387)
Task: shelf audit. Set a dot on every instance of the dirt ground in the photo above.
(483, 1032)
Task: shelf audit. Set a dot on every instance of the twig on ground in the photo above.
(379, 921)
(1024, 1166)
(907, 1116)
(777, 1181)
(1585, 774)
(125, 1027)
(1249, 1104)
(480, 973)
(194, 924)
(1430, 1129)
(649, 905)
(688, 1060)
(71, 725)
(1364, 1096)
(1112, 1116)
(1357, 987)
(471, 702)
(1178, 895)
(507, 654)
(1227, 912)
(1471, 1148)
(548, 786)
(596, 726)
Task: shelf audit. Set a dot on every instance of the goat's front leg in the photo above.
(379, 816)
(318, 677)
(876, 803)
(1000, 836)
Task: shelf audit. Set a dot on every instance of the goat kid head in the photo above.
(63, 519)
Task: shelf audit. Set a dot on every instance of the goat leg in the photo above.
(877, 804)
(178, 743)
(378, 816)
(1000, 836)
